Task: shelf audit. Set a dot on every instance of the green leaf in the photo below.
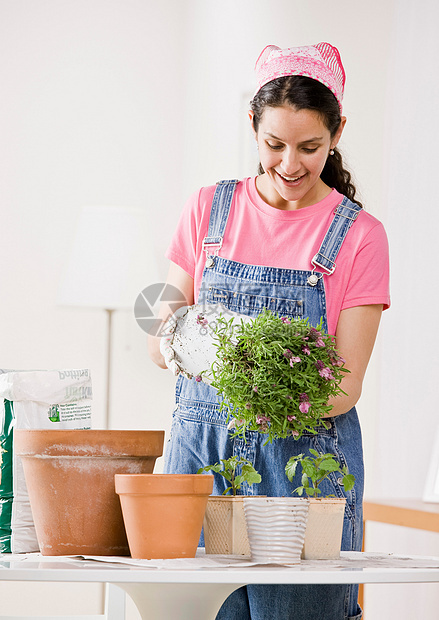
(238, 481)
(305, 481)
(348, 482)
(215, 468)
(290, 468)
(330, 465)
(253, 478)
(308, 468)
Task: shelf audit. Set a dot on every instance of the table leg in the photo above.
(172, 601)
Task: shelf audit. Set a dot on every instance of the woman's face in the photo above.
(293, 148)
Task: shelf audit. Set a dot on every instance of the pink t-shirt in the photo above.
(259, 234)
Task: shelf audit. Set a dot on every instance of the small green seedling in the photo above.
(227, 468)
(314, 470)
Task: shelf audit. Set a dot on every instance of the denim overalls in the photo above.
(199, 434)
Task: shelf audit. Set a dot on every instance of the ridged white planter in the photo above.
(324, 529)
(276, 528)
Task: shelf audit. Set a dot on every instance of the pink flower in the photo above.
(255, 388)
(295, 433)
(314, 333)
(304, 406)
(338, 361)
(291, 418)
(284, 319)
(306, 349)
(198, 378)
(326, 373)
(262, 419)
(319, 365)
(201, 320)
(294, 360)
(316, 337)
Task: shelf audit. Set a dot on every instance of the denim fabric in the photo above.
(199, 434)
(345, 215)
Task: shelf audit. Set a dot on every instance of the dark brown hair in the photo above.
(304, 93)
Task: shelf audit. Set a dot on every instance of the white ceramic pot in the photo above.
(276, 528)
(324, 528)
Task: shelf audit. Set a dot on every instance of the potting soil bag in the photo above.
(34, 399)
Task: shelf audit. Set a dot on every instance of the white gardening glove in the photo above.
(192, 340)
(166, 338)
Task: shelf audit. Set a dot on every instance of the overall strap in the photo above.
(219, 214)
(345, 215)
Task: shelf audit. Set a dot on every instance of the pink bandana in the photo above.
(320, 62)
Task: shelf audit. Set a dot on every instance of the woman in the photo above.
(293, 240)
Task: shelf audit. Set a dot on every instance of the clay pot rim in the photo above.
(163, 484)
(90, 443)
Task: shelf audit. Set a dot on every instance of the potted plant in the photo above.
(225, 529)
(275, 374)
(325, 518)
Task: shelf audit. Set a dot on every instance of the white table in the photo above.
(197, 593)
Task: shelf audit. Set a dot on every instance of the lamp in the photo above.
(111, 261)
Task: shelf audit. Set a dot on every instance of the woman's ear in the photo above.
(251, 116)
(339, 132)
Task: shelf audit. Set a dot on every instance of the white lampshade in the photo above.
(112, 259)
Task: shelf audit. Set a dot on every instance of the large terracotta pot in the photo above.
(70, 480)
(163, 513)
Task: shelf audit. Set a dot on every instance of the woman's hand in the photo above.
(181, 280)
(355, 337)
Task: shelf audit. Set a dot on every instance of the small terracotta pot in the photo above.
(324, 529)
(163, 513)
(225, 529)
(70, 480)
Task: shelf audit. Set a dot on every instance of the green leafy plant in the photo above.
(276, 374)
(314, 470)
(228, 469)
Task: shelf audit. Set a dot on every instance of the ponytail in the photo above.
(334, 174)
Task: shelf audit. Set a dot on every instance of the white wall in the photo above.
(407, 407)
(141, 102)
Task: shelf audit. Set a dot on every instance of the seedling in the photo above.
(228, 469)
(314, 470)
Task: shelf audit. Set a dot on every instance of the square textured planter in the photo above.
(324, 529)
(225, 529)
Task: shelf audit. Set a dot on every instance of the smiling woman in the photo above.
(293, 240)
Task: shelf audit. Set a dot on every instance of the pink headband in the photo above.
(320, 62)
